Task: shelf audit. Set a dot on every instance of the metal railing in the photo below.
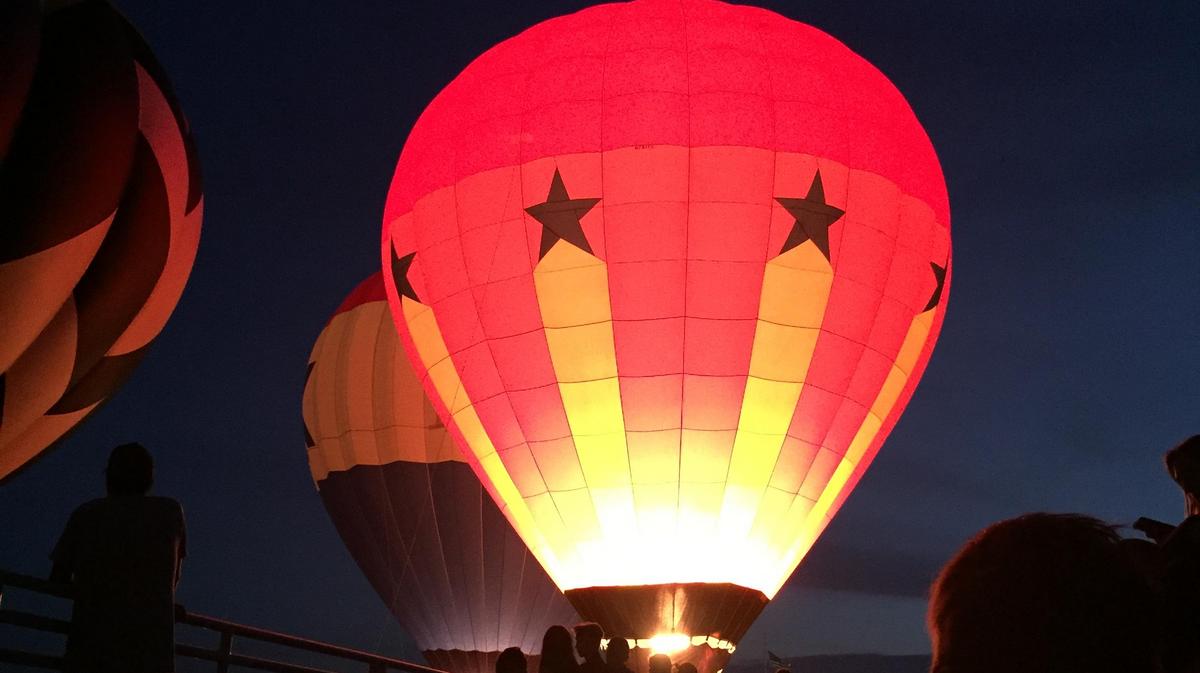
(222, 656)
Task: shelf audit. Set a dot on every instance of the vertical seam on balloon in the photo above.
(482, 577)
(687, 217)
(608, 278)
(462, 385)
(341, 415)
(441, 548)
(520, 633)
(376, 353)
(405, 552)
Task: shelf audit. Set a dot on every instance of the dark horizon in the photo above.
(1065, 369)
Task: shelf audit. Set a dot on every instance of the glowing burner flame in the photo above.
(669, 643)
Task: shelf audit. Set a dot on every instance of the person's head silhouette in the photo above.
(511, 660)
(686, 667)
(1043, 593)
(617, 651)
(587, 640)
(558, 654)
(660, 663)
(130, 470)
(1183, 462)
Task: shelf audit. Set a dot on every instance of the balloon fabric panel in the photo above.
(103, 237)
(58, 205)
(414, 516)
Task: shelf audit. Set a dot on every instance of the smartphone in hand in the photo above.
(1154, 529)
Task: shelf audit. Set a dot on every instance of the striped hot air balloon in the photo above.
(670, 271)
(412, 513)
(100, 205)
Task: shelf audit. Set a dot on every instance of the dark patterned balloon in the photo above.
(413, 515)
(100, 197)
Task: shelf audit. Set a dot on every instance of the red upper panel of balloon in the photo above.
(649, 73)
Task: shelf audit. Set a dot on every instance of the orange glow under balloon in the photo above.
(671, 271)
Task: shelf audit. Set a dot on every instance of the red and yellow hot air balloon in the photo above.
(413, 515)
(100, 201)
(670, 272)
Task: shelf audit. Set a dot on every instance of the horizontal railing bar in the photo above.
(32, 659)
(265, 635)
(11, 579)
(182, 616)
(195, 652)
(29, 620)
(274, 666)
(246, 661)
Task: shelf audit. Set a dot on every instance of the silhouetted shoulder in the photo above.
(152, 503)
(117, 526)
(166, 505)
(89, 508)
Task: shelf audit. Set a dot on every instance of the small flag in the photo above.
(776, 662)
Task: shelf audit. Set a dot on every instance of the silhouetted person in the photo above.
(511, 660)
(616, 656)
(1181, 564)
(1043, 593)
(660, 663)
(587, 645)
(1183, 463)
(122, 554)
(686, 667)
(558, 655)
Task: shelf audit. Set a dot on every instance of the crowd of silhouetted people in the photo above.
(1040, 593)
(559, 654)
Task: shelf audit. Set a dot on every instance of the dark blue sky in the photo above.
(1070, 139)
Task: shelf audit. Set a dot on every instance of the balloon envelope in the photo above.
(434, 546)
(670, 271)
(101, 200)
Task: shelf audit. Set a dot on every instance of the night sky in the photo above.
(1069, 134)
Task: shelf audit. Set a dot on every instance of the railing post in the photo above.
(224, 652)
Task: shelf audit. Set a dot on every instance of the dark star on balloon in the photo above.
(939, 275)
(400, 267)
(813, 218)
(560, 216)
